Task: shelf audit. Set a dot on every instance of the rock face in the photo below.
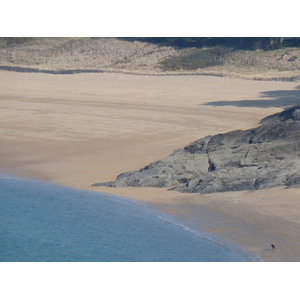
(263, 157)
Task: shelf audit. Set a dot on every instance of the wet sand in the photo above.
(79, 129)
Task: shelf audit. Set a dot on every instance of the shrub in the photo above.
(193, 59)
(293, 58)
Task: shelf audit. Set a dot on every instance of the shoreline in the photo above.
(231, 216)
(183, 221)
(75, 130)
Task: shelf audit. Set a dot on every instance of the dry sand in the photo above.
(76, 130)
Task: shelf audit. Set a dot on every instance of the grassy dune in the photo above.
(115, 55)
(84, 53)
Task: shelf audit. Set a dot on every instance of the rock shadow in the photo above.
(278, 98)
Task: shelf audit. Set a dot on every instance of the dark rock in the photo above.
(263, 157)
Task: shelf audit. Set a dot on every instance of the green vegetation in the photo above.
(246, 43)
(194, 59)
(293, 58)
(7, 41)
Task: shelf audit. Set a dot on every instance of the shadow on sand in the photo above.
(279, 98)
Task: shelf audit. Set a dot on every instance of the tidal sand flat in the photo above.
(75, 130)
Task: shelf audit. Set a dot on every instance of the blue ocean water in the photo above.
(42, 222)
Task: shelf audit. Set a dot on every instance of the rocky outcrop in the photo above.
(263, 157)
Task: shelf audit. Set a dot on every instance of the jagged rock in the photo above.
(263, 157)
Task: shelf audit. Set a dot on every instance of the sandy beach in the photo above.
(76, 130)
